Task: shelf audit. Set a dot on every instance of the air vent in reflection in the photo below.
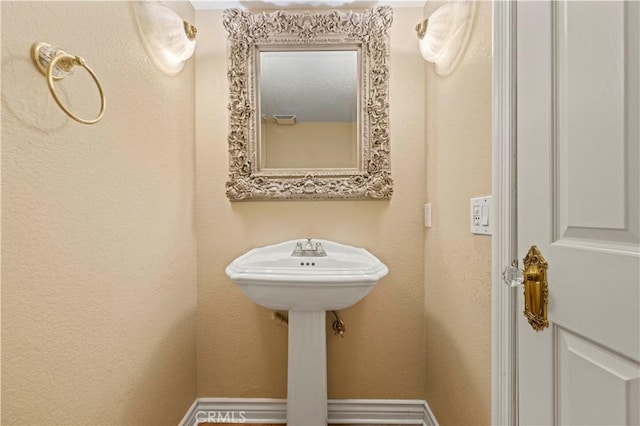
(286, 119)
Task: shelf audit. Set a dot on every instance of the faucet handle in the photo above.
(298, 250)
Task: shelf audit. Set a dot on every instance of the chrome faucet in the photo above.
(308, 250)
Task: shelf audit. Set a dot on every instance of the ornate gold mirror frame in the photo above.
(247, 32)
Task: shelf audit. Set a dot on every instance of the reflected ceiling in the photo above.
(315, 86)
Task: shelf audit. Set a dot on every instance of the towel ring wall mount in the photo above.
(55, 64)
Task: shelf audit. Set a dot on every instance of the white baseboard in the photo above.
(341, 411)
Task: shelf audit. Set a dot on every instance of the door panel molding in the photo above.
(595, 207)
(579, 360)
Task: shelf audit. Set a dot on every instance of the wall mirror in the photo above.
(309, 105)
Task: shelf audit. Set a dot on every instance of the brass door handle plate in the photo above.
(536, 290)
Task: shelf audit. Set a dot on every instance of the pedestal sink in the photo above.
(306, 278)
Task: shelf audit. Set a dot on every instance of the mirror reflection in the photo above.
(308, 105)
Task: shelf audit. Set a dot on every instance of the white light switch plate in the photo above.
(427, 215)
(480, 212)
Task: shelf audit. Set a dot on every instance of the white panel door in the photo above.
(578, 197)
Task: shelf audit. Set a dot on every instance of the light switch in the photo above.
(485, 216)
(480, 210)
(427, 215)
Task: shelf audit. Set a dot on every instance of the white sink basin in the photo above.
(271, 277)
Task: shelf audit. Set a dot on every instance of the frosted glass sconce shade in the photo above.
(445, 35)
(169, 40)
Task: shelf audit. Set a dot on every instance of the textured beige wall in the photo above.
(241, 352)
(310, 145)
(457, 263)
(98, 243)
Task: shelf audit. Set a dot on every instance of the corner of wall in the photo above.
(457, 263)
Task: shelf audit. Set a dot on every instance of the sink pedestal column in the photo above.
(307, 370)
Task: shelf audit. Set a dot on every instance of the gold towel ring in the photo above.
(63, 62)
(74, 60)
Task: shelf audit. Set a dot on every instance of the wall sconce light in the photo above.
(443, 36)
(169, 40)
